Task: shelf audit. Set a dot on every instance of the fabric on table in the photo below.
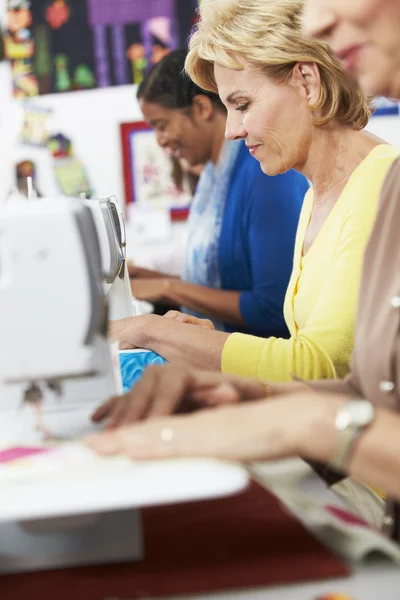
(133, 364)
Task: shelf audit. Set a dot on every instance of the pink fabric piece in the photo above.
(20, 452)
(346, 516)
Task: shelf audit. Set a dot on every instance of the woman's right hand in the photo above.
(163, 390)
(128, 332)
(184, 318)
(133, 270)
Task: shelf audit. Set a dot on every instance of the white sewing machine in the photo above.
(110, 225)
(70, 247)
(70, 508)
(53, 307)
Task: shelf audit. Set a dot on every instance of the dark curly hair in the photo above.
(168, 84)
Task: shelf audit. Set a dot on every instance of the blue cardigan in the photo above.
(256, 245)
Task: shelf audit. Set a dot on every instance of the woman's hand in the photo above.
(129, 332)
(257, 430)
(151, 290)
(295, 425)
(141, 272)
(184, 318)
(133, 270)
(118, 331)
(165, 389)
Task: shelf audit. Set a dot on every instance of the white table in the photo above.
(186, 480)
(72, 507)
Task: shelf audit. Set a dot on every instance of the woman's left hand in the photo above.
(151, 290)
(253, 431)
(129, 331)
(181, 317)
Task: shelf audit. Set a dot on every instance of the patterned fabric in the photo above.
(133, 364)
(205, 222)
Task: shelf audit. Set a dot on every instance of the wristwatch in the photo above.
(351, 421)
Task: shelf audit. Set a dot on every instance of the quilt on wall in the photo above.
(67, 45)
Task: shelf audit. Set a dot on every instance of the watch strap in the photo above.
(344, 448)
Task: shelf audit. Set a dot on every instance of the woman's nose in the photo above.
(162, 139)
(234, 129)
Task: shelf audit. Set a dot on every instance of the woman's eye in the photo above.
(242, 107)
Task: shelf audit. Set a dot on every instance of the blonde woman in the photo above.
(290, 425)
(293, 104)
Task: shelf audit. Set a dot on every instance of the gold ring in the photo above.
(267, 389)
(167, 434)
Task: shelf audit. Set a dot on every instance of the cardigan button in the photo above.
(395, 302)
(386, 386)
(388, 521)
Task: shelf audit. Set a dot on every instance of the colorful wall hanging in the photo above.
(68, 169)
(19, 46)
(68, 45)
(34, 128)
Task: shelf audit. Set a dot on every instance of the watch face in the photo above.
(356, 414)
(361, 412)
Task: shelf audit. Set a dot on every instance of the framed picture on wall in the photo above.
(150, 174)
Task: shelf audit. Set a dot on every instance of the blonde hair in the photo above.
(266, 35)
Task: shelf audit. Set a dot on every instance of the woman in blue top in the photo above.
(242, 223)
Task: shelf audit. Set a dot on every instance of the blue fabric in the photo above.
(205, 222)
(256, 244)
(133, 365)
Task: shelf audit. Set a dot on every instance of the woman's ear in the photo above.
(202, 107)
(307, 77)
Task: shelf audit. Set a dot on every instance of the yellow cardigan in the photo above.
(321, 298)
